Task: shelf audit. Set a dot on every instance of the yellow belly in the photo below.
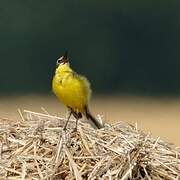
(73, 91)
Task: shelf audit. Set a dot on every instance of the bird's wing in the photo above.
(84, 83)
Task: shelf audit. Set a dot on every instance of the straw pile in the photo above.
(36, 147)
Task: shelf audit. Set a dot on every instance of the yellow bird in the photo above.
(73, 91)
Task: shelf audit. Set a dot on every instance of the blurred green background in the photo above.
(122, 46)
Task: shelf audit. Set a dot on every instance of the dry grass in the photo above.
(36, 147)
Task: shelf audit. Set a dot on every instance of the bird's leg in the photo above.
(70, 112)
(76, 124)
(77, 115)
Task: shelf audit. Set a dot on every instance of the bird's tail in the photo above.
(95, 123)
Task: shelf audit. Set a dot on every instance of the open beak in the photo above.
(63, 59)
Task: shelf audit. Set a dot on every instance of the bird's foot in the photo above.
(74, 130)
(64, 128)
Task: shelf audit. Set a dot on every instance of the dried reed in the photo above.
(36, 147)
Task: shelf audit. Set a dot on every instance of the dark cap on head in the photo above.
(63, 59)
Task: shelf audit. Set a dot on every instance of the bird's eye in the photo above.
(58, 61)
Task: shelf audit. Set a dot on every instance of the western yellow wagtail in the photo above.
(73, 90)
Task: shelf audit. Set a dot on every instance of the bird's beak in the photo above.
(64, 58)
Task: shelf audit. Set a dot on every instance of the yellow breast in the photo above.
(71, 89)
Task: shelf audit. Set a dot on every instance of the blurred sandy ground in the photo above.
(159, 116)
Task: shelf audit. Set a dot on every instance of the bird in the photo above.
(74, 91)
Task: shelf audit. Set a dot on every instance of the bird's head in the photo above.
(63, 60)
(62, 64)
